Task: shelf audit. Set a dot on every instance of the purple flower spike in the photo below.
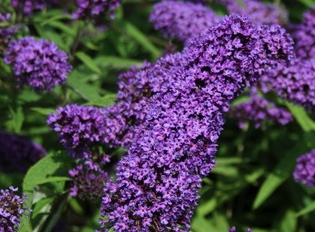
(95, 9)
(295, 82)
(305, 169)
(88, 178)
(304, 36)
(27, 7)
(18, 153)
(6, 31)
(39, 64)
(11, 209)
(182, 20)
(258, 110)
(79, 127)
(258, 11)
(183, 106)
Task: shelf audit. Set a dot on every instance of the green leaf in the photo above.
(42, 206)
(45, 171)
(200, 224)
(268, 187)
(280, 174)
(61, 26)
(220, 222)
(251, 178)
(16, 119)
(85, 90)
(56, 215)
(226, 171)
(28, 95)
(240, 100)
(288, 222)
(116, 62)
(141, 38)
(228, 161)
(206, 207)
(43, 111)
(25, 224)
(107, 100)
(75, 205)
(55, 18)
(308, 209)
(301, 116)
(88, 61)
(308, 3)
(53, 179)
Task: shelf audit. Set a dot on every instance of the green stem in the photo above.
(56, 214)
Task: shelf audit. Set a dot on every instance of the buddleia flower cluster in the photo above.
(11, 209)
(27, 7)
(173, 22)
(94, 9)
(157, 181)
(296, 82)
(18, 153)
(182, 20)
(89, 177)
(82, 130)
(6, 30)
(257, 11)
(37, 63)
(257, 110)
(80, 127)
(304, 36)
(305, 169)
(84, 9)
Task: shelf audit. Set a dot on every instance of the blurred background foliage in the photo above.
(251, 185)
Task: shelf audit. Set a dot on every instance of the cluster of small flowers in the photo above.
(257, 11)
(11, 209)
(257, 110)
(89, 177)
(136, 87)
(95, 9)
(296, 82)
(305, 169)
(183, 115)
(6, 31)
(27, 7)
(40, 63)
(80, 127)
(37, 63)
(182, 20)
(18, 153)
(304, 36)
(92, 9)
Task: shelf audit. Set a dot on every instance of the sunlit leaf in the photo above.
(301, 116)
(288, 222)
(307, 209)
